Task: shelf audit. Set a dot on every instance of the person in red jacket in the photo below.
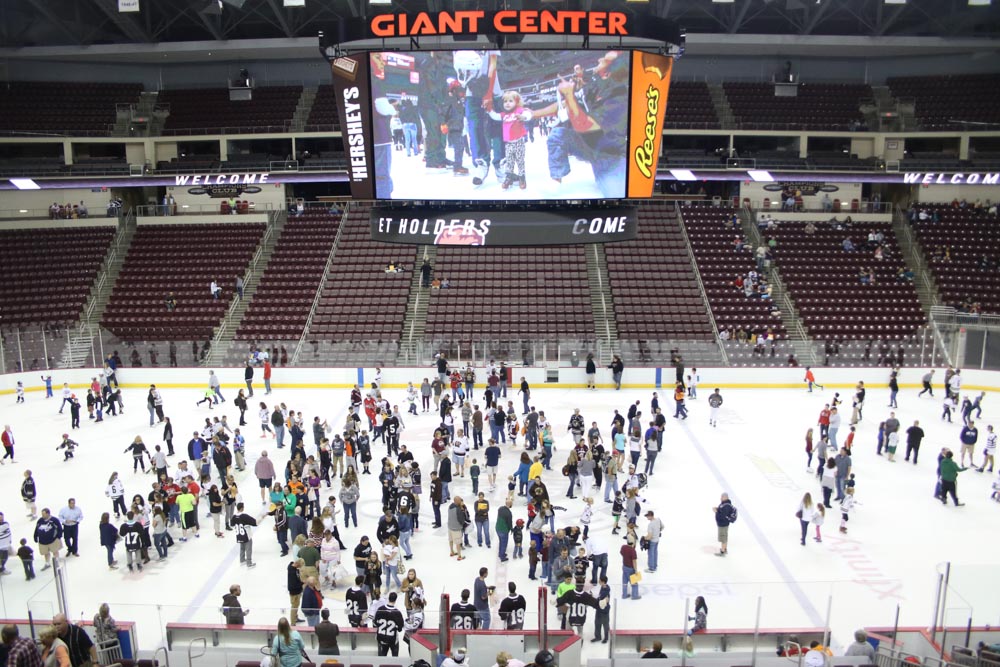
(267, 376)
(810, 379)
(824, 421)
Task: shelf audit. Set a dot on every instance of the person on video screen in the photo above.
(513, 118)
(477, 71)
(595, 129)
(385, 109)
(434, 70)
(452, 124)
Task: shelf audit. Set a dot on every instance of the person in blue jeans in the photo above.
(629, 564)
(653, 531)
(481, 594)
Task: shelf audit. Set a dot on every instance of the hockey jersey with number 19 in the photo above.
(512, 610)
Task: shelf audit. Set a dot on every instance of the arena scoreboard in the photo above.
(478, 122)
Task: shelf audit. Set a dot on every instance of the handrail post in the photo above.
(756, 635)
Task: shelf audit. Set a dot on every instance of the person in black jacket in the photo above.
(294, 589)
(388, 625)
(591, 372)
(241, 402)
(248, 378)
(232, 610)
(617, 368)
(168, 436)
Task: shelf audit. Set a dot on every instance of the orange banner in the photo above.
(650, 86)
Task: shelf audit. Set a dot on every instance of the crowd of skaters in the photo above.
(835, 469)
(304, 507)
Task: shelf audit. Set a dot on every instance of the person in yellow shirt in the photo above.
(534, 472)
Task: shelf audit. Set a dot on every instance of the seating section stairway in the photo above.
(280, 307)
(183, 259)
(824, 280)
(511, 294)
(962, 250)
(655, 291)
(712, 236)
(48, 273)
(360, 301)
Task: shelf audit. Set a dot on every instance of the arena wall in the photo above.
(568, 378)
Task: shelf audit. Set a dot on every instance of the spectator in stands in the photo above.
(232, 610)
(81, 648)
(215, 290)
(789, 203)
(425, 273)
(827, 202)
(810, 228)
(239, 285)
(82, 210)
(171, 301)
(848, 244)
(53, 211)
(861, 647)
(656, 651)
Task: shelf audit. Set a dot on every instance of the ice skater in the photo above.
(810, 379)
(513, 118)
(19, 390)
(69, 445)
(714, 403)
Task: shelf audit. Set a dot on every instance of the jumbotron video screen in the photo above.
(490, 124)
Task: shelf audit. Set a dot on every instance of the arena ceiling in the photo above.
(81, 23)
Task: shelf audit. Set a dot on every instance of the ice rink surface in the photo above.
(412, 180)
(897, 537)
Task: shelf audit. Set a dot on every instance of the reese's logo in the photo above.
(645, 153)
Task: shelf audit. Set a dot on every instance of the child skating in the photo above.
(20, 392)
(818, 517)
(846, 507)
(69, 445)
(514, 136)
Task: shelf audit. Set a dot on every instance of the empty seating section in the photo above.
(209, 110)
(711, 234)
(655, 291)
(48, 273)
(690, 106)
(942, 101)
(511, 294)
(183, 259)
(818, 106)
(970, 237)
(82, 109)
(823, 281)
(323, 115)
(284, 296)
(360, 302)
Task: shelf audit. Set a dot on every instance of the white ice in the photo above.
(411, 180)
(898, 535)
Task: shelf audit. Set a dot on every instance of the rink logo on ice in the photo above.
(502, 228)
(868, 573)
